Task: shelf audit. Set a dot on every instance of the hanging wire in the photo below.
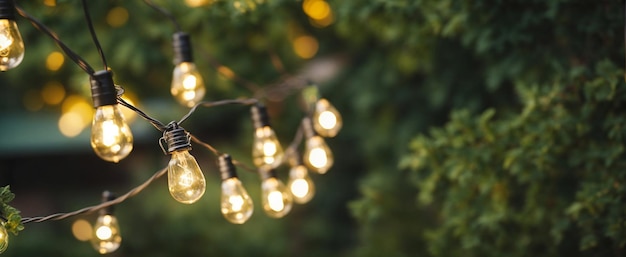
(93, 35)
(90, 209)
(249, 101)
(70, 54)
(165, 12)
(156, 123)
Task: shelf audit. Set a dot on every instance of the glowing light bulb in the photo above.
(277, 200)
(111, 138)
(106, 236)
(267, 153)
(300, 184)
(317, 156)
(326, 119)
(11, 43)
(236, 204)
(4, 238)
(185, 180)
(187, 83)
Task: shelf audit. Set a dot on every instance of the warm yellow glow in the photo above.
(78, 105)
(117, 16)
(316, 9)
(32, 100)
(277, 201)
(226, 72)
(236, 204)
(4, 238)
(198, 3)
(82, 230)
(106, 236)
(300, 184)
(111, 137)
(11, 45)
(54, 61)
(185, 180)
(327, 121)
(187, 84)
(50, 3)
(71, 124)
(267, 152)
(305, 46)
(317, 155)
(53, 93)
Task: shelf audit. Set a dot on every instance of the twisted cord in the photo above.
(165, 12)
(156, 123)
(90, 209)
(70, 54)
(93, 35)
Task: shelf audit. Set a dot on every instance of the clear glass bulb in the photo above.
(301, 184)
(277, 201)
(236, 203)
(317, 155)
(111, 137)
(11, 45)
(187, 84)
(266, 150)
(184, 178)
(106, 236)
(326, 119)
(4, 238)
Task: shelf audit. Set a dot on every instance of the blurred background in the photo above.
(474, 128)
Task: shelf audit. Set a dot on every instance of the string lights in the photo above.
(112, 141)
(11, 43)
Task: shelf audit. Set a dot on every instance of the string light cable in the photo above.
(176, 141)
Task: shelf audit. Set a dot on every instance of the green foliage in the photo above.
(13, 221)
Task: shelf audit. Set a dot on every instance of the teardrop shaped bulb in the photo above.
(277, 201)
(11, 45)
(236, 204)
(111, 138)
(187, 84)
(326, 119)
(267, 153)
(106, 236)
(185, 180)
(317, 155)
(300, 184)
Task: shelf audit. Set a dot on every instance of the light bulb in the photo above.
(326, 119)
(317, 156)
(276, 198)
(236, 204)
(185, 180)
(106, 236)
(267, 153)
(187, 84)
(4, 238)
(111, 137)
(11, 43)
(300, 184)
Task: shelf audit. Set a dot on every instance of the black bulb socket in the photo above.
(227, 168)
(177, 138)
(7, 9)
(107, 196)
(307, 127)
(260, 118)
(103, 90)
(182, 48)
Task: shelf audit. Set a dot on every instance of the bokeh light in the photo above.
(81, 229)
(54, 61)
(117, 17)
(53, 93)
(305, 46)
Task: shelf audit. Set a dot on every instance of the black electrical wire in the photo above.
(93, 35)
(249, 101)
(156, 123)
(165, 12)
(70, 54)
